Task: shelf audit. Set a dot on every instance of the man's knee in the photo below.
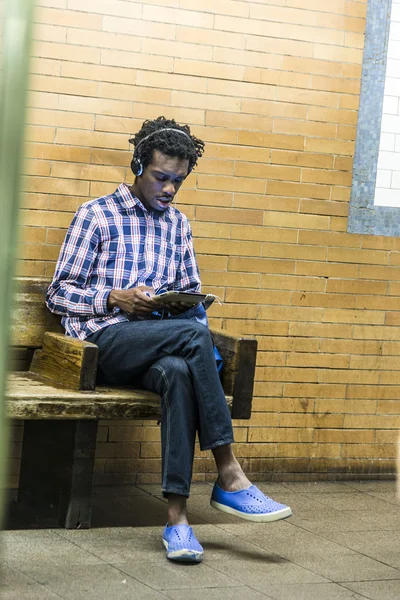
(173, 368)
(193, 330)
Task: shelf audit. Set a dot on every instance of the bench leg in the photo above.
(56, 474)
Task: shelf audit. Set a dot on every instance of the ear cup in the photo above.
(136, 166)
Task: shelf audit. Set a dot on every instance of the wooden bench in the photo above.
(57, 397)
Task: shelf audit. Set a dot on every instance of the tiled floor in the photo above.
(342, 543)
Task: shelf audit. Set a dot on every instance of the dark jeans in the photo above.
(175, 359)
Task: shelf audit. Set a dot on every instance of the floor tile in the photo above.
(91, 582)
(377, 590)
(354, 567)
(42, 547)
(379, 545)
(352, 502)
(240, 593)
(222, 545)
(14, 585)
(316, 487)
(167, 575)
(287, 541)
(119, 544)
(312, 591)
(372, 486)
(260, 574)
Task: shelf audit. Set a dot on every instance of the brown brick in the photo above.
(57, 186)
(338, 53)
(58, 118)
(66, 52)
(211, 69)
(293, 282)
(354, 286)
(293, 251)
(340, 436)
(258, 297)
(232, 184)
(329, 146)
(290, 313)
(307, 128)
(233, 311)
(272, 203)
(226, 215)
(304, 190)
(260, 328)
(218, 118)
(211, 230)
(243, 169)
(321, 330)
(329, 239)
(305, 359)
(265, 234)
(320, 98)
(30, 268)
(382, 273)
(67, 18)
(326, 177)
(332, 315)
(240, 280)
(121, 58)
(277, 434)
(377, 303)
(327, 269)
(229, 247)
(302, 159)
(296, 220)
(364, 332)
(323, 207)
(376, 451)
(372, 257)
(323, 300)
(267, 140)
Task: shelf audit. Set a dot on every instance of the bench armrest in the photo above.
(239, 356)
(66, 361)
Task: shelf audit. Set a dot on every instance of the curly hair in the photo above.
(172, 144)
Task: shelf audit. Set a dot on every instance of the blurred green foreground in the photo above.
(15, 35)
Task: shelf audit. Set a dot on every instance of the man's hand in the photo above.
(140, 301)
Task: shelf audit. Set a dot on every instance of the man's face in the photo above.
(160, 181)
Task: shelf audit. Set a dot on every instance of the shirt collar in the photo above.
(129, 200)
(126, 198)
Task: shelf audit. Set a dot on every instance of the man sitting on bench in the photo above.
(119, 253)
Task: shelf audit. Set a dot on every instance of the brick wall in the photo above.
(273, 88)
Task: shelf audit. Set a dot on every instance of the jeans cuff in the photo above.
(174, 491)
(214, 445)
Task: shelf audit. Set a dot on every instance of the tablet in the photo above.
(188, 297)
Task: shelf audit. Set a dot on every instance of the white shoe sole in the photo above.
(256, 518)
(184, 554)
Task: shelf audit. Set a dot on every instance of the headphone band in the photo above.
(159, 131)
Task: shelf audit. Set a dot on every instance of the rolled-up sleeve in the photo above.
(70, 293)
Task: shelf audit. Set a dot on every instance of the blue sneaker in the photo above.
(181, 544)
(249, 504)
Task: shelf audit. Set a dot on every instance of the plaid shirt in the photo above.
(115, 243)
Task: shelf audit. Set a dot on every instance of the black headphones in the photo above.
(136, 164)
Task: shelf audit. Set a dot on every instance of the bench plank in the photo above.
(67, 361)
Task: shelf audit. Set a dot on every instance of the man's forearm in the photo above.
(67, 299)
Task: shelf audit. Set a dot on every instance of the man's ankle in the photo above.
(177, 512)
